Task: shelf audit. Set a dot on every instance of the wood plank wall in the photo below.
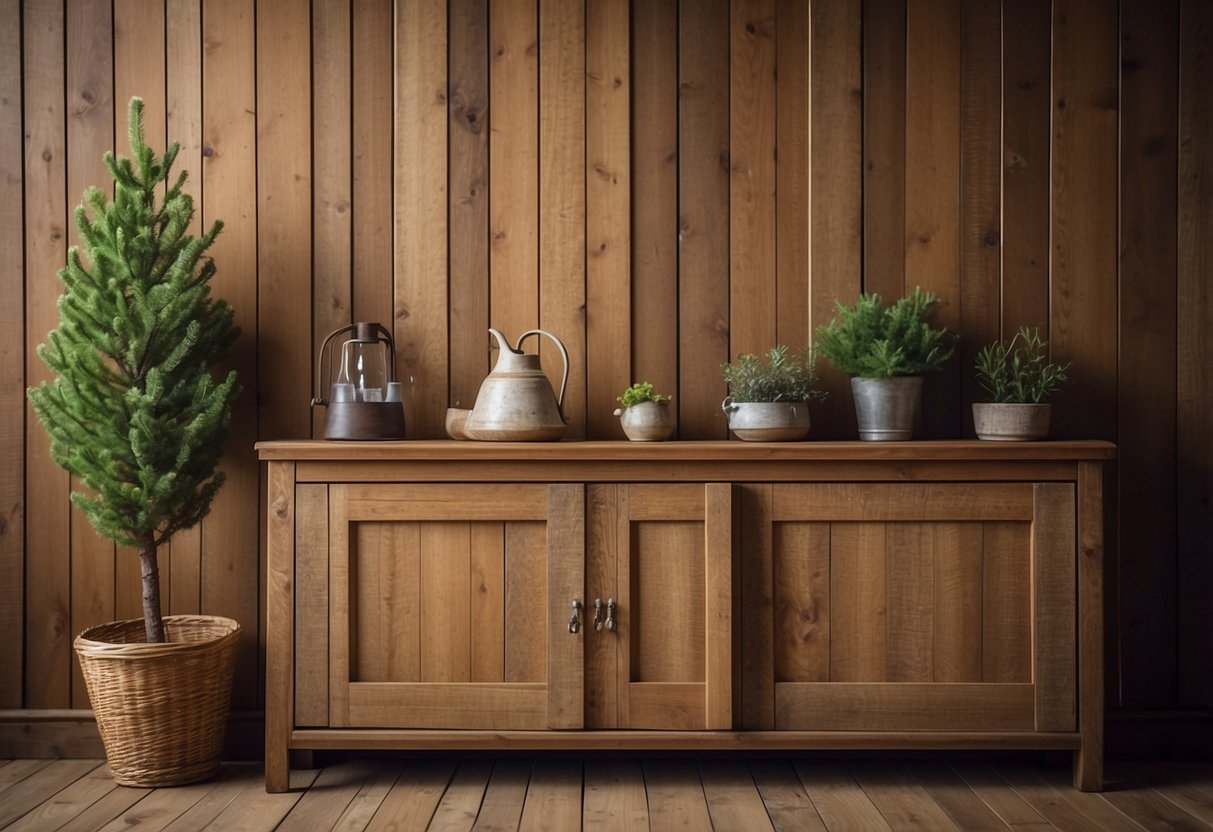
(663, 184)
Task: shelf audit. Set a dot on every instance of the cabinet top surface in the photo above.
(655, 452)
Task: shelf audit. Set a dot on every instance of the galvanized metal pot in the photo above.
(1011, 421)
(887, 408)
(767, 421)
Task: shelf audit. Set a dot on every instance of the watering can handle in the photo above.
(564, 354)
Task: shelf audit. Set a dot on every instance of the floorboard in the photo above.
(719, 792)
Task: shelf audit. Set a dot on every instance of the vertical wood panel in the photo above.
(981, 191)
(446, 639)
(802, 602)
(488, 602)
(469, 197)
(90, 133)
(1082, 308)
(421, 299)
(12, 348)
(752, 268)
(793, 171)
(1027, 109)
(757, 609)
(601, 656)
(722, 607)
(47, 579)
(565, 570)
(332, 177)
(655, 194)
(608, 217)
(340, 643)
(562, 208)
(933, 185)
(368, 644)
(281, 537)
(1194, 445)
(513, 163)
(910, 602)
(372, 157)
(1146, 343)
(400, 594)
(858, 633)
(525, 593)
(284, 229)
(139, 69)
(1054, 530)
(703, 221)
(230, 532)
(183, 89)
(957, 603)
(837, 189)
(1006, 603)
(312, 604)
(667, 570)
(884, 147)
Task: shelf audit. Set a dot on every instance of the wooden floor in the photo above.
(570, 793)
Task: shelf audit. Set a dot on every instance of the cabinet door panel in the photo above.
(440, 611)
(909, 610)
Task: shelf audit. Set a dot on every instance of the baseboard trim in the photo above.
(72, 734)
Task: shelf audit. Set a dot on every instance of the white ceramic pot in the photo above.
(1010, 422)
(767, 421)
(647, 421)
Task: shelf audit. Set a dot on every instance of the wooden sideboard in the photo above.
(715, 595)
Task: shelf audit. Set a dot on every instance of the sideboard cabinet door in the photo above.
(910, 606)
(449, 605)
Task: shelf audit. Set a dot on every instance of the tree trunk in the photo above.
(153, 623)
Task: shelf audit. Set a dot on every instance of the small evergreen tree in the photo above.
(133, 413)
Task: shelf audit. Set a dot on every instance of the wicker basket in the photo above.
(161, 708)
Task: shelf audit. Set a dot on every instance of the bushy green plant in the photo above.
(872, 340)
(133, 412)
(641, 391)
(778, 376)
(1019, 371)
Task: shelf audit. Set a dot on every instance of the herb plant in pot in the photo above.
(645, 415)
(134, 415)
(886, 350)
(1018, 377)
(769, 396)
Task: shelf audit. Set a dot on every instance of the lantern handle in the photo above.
(320, 364)
(391, 351)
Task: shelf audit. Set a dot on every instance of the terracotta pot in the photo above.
(646, 422)
(1011, 422)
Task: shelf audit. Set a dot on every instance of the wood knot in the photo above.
(208, 151)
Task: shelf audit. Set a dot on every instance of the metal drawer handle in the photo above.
(575, 621)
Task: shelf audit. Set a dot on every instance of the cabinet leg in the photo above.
(277, 768)
(303, 758)
(1088, 769)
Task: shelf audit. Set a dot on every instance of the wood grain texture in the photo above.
(553, 797)
(12, 347)
(90, 133)
(468, 195)
(752, 117)
(615, 796)
(858, 629)
(284, 213)
(312, 612)
(722, 604)
(525, 590)
(420, 197)
(910, 602)
(884, 148)
(371, 143)
(1146, 404)
(183, 88)
(801, 552)
(1055, 607)
(230, 572)
(1026, 143)
(562, 201)
(1006, 603)
(933, 58)
(675, 801)
(843, 706)
(668, 601)
(1083, 266)
(280, 666)
(491, 706)
(703, 216)
(566, 580)
(332, 179)
(1088, 762)
(608, 212)
(514, 162)
(446, 639)
(957, 600)
(1194, 446)
(757, 622)
(787, 803)
(904, 805)
(837, 187)
(733, 798)
(981, 124)
(47, 577)
(654, 59)
(903, 502)
(793, 154)
(601, 582)
(840, 801)
(340, 620)
(487, 593)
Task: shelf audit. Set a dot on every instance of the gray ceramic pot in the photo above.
(887, 408)
(767, 421)
(646, 422)
(1011, 422)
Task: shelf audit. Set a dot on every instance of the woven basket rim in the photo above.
(85, 643)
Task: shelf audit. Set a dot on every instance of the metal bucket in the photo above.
(887, 408)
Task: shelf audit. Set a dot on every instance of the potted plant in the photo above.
(134, 415)
(886, 350)
(645, 415)
(1018, 377)
(769, 395)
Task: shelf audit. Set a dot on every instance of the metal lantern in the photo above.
(364, 397)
